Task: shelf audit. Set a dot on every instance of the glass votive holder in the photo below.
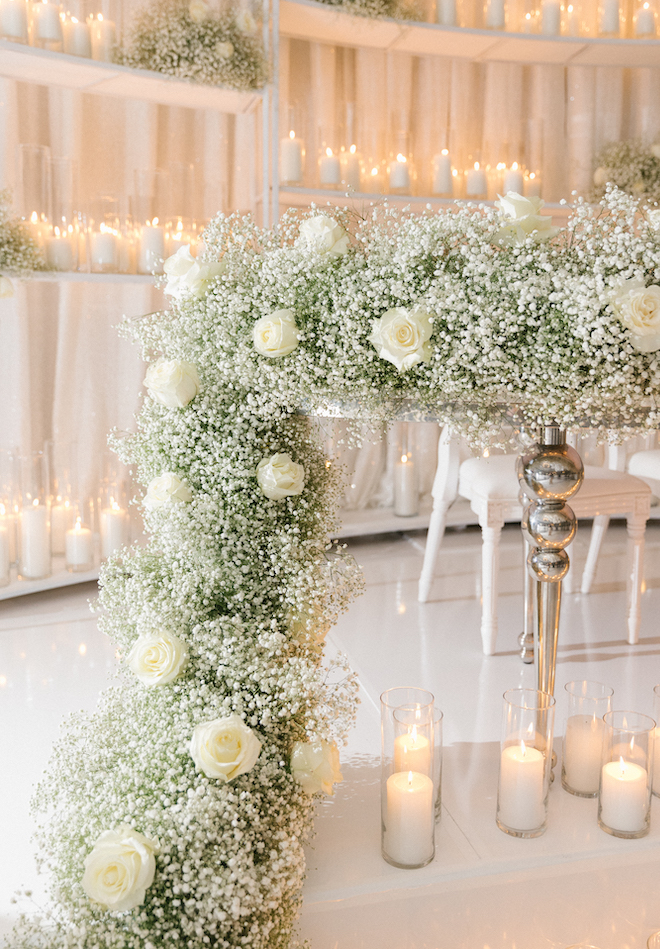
(583, 738)
(438, 718)
(525, 762)
(77, 36)
(79, 546)
(624, 798)
(33, 191)
(351, 168)
(400, 173)
(103, 29)
(329, 165)
(104, 251)
(442, 179)
(645, 21)
(476, 181)
(10, 496)
(46, 25)
(407, 787)
(14, 20)
(34, 559)
(113, 519)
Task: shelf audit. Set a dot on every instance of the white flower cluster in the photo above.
(632, 166)
(19, 254)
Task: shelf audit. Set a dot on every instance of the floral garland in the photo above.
(19, 254)
(183, 38)
(633, 167)
(178, 810)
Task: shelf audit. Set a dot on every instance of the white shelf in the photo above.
(60, 577)
(30, 64)
(383, 520)
(58, 276)
(307, 19)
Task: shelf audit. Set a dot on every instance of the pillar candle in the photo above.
(34, 542)
(151, 250)
(583, 751)
(13, 20)
(5, 558)
(513, 180)
(329, 168)
(410, 824)
(609, 17)
(520, 799)
(495, 14)
(77, 39)
(476, 183)
(104, 251)
(645, 21)
(573, 26)
(104, 38)
(351, 170)
(406, 498)
(399, 173)
(443, 182)
(291, 159)
(79, 546)
(551, 17)
(412, 752)
(113, 530)
(59, 252)
(623, 796)
(46, 23)
(445, 12)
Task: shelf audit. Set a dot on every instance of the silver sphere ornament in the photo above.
(550, 472)
(549, 524)
(550, 566)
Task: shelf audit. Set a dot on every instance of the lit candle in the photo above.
(645, 21)
(13, 20)
(104, 250)
(113, 529)
(46, 23)
(5, 559)
(406, 498)
(79, 547)
(399, 173)
(291, 159)
(572, 21)
(445, 12)
(351, 170)
(520, 800)
(443, 182)
(34, 542)
(495, 14)
(412, 752)
(513, 179)
(476, 183)
(583, 750)
(151, 251)
(104, 38)
(532, 186)
(59, 250)
(624, 796)
(375, 181)
(551, 17)
(408, 838)
(77, 38)
(609, 17)
(329, 168)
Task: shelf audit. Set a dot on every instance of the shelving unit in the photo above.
(60, 577)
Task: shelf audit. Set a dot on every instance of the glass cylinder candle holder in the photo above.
(79, 546)
(10, 496)
(329, 167)
(495, 14)
(550, 19)
(400, 170)
(476, 181)
(33, 192)
(103, 25)
(104, 234)
(61, 243)
(525, 762)
(611, 20)
(180, 224)
(77, 35)
(34, 559)
(14, 21)
(645, 23)
(151, 190)
(407, 788)
(114, 520)
(583, 738)
(46, 25)
(406, 485)
(624, 797)
(442, 179)
(351, 168)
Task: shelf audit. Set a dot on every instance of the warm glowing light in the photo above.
(35, 503)
(454, 172)
(3, 681)
(528, 16)
(532, 176)
(82, 649)
(154, 223)
(328, 152)
(514, 166)
(410, 779)
(179, 225)
(353, 149)
(445, 151)
(401, 157)
(100, 16)
(570, 8)
(114, 505)
(404, 459)
(328, 463)
(476, 166)
(486, 453)
(78, 526)
(374, 172)
(292, 134)
(34, 218)
(501, 166)
(2, 510)
(57, 231)
(413, 733)
(401, 609)
(523, 748)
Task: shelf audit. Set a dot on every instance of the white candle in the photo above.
(520, 800)
(532, 186)
(645, 21)
(35, 542)
(104, 252)
(5, 558)
(623, 796)
(513, 180)
(291, 159)
(476, 183)
(399, 173)
(329, 168)
(113, 530)
(46, 23)
(351, 171)
(445, 12)
(13, 20)
(406, 498)
(551, 17)
(79, 546)
(59, 252)
(77, 39)
(104, 38)
(495, 14)
(572, 21)
(151, 252)
(412, 752)
(60, 518)
(583, 750)
(609, 16)
(409, 826)
(443, 181)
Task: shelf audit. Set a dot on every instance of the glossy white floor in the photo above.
(483, 889)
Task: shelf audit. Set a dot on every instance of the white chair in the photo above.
(491, 486)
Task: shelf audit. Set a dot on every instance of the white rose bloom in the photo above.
(168, 487)
(638, 308)
(224, 748)
(280, 477)
(402, 337)
(186, 276)
(316, 766)
(172, 382)
(276, 335)
(245, 21)
(158, 659)
(525, 220)
(198, 10)
(224, 50)
(120, 869)
(323, 236)
(6, 287)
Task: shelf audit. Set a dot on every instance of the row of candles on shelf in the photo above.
(347, 169)
(42, 517)
(84, 28)
(606, 755)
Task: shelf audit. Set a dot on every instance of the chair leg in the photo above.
(490, 557)
(433, 540)
(636, 526)
(600, 525)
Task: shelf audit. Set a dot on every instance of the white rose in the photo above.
(324, 236)
(198, 10)
(186, 276)
(172, 382)
(158, 659)
(168, 487)
(280, 477)
(525, 218)
(6, 287)
(402, 337)
(245, 22)
(638, 308)
(601, 176)
(316, 766)
(224, 50)
(276, 335)
(224, 748)
(120, 869)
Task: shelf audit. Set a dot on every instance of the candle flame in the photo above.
(570, 8)
(78, 526)
(486, 453)
(523, 748)
(179, 225)
(374, 172)
(532, 176)
(328, 152)
(413, 733)
(622, 765)
(401, 158)
(34, 218)
(445, 151)
(73, 19)
(57, 231)
(646, 6)
(514, 166)
(35, 503)
(292, 134)
(404, 459)
(353, 149)
(410, 779)
(476, 166)
(501, 166)
(100, 17)
(114, 505)
(154, 223)
(2, 510)
(454, 172)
